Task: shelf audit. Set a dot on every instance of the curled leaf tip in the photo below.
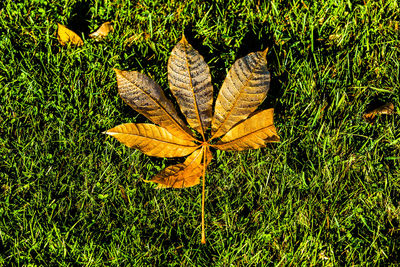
(183, 38)
(108, 133)
(264, 53)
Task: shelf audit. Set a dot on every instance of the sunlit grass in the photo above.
(328, 193)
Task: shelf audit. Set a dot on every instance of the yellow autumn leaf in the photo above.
(243, 90)
(102, 31)
(66, 36)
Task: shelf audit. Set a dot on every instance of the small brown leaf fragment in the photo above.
(185, 174)
(152, 140)
(123, 194)
(65, 36)
(5, 187)
(386, 109)
(102, 31)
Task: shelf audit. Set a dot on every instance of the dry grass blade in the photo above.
(243, 90)
(66, 36)
(252, 133)
(152, 140)
(123, 194)
(146, 97)
(102, 31)
(185, 174)
(386, 109)
(190, 82)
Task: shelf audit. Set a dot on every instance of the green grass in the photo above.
(328, 194)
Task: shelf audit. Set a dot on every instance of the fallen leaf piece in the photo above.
(102, 31)
(123, 194)
(386, 109)
(66, 36)
(5, 187)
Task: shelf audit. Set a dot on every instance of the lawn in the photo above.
(327, 194)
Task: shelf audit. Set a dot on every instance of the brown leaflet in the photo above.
(185, 174)
(253, 133)
(243, 90)
(152, 140)
(190, 82)
(146, 97)
(386, 109)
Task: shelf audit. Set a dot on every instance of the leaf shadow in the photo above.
(376, 103)
(259, 38)
(79, 22)
(208, 52)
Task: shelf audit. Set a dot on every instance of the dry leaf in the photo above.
(102, 31)
(387, 108)
(243, 90)
(123, 194)
(65, 36)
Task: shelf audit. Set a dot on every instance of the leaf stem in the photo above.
(203, 232)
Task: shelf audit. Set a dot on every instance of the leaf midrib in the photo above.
(243, 136)
(155, 139)
(194, 95)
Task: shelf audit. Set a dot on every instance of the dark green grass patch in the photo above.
(327, 194)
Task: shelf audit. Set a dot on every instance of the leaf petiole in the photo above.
(203, 232)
